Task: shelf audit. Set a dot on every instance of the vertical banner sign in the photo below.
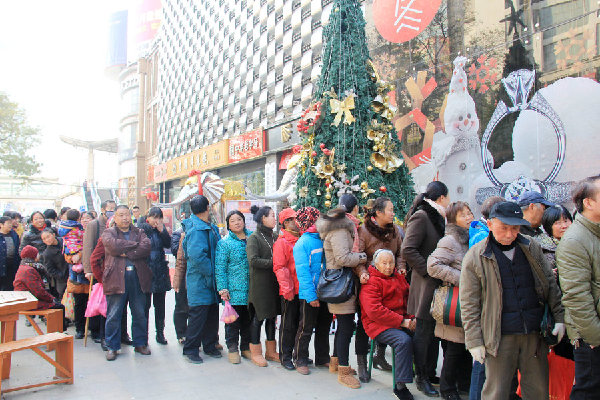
(168, 219)
(402, 20)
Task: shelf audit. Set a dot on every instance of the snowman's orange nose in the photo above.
(466, 122)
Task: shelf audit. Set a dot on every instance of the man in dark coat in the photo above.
(9, 253)
(126, 278)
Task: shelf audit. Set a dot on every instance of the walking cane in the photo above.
(87, 319)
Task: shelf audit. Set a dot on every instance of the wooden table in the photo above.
(10, 305)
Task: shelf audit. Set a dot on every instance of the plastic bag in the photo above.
(97, 302)
(561, 373)
(229, 315)
(69, 302)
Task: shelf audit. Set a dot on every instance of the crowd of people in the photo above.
(500, 294)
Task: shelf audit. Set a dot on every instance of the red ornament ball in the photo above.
(383, 189)
(327, 184)
(322, 146)
(327, 152)
(313, 154)
(347, 181)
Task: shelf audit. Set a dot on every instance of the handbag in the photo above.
(335, 285)
(445, 307)
(546, 327)
(68, 301)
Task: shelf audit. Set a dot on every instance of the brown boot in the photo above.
(271, 353)
(257, 357)
(333, 366)
(234, 357)
(346, 378)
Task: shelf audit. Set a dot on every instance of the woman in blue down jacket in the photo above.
(231, 272)
(309, 258)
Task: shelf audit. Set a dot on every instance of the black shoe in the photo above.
(451, 396)
(160, 338)
(310, 361)
(288, 364)
(97, 339)
(403, 393)
(214, 353)
(434, 380)
(193, 358)
(125, 339)
(103, 344)
(426, 388)
(362, 369)
(79, 335)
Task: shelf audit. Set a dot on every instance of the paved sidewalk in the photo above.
(166, 375)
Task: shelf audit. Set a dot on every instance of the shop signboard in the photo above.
(160, 172)
(283, 136)
(204, 159)
(244, 207)
(246, 146)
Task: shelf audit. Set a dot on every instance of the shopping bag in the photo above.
(561, 372)
(69, 302)
(229, 315)
(97, 302)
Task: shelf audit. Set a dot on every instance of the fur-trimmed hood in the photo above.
(459, 233)
(335, 219)
(435, 217)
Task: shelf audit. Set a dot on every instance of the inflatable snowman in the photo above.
(455, 154)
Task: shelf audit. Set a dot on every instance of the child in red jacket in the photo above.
(383, 302)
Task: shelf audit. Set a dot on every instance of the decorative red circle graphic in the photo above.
(401, 20)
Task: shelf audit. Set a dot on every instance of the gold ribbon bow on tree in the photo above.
(342, 108)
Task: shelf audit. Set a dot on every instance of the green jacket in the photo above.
(481, 292)
(578, 262)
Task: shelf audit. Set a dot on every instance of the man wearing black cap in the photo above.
(504, 284)
(533, 205)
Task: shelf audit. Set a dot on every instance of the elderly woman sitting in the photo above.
(383, 301)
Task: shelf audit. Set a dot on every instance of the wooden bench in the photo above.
(63, 361)
(54, 321)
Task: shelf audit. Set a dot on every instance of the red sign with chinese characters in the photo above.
(402, 20)
(246, 146)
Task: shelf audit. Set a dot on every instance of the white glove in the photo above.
(478, 354)
(559, 330)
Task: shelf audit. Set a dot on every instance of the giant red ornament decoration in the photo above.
(402, 20)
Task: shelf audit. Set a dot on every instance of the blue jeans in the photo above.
(402, 344)
(477, 381)
(116, 306)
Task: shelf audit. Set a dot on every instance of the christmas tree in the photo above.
(350, 145)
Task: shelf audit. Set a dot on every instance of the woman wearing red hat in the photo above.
(29, 279)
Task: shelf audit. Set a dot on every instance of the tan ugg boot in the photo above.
(333, 366)
(346, 378)
(257, 356)
(234, 357)
(271, 353)
(247, 354)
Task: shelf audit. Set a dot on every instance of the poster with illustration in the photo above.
(492, 99)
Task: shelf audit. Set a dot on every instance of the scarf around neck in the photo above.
(437, 207)
(356, 223)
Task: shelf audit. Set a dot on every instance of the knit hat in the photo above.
(306, 217)
(29, 252)
(286, 213)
